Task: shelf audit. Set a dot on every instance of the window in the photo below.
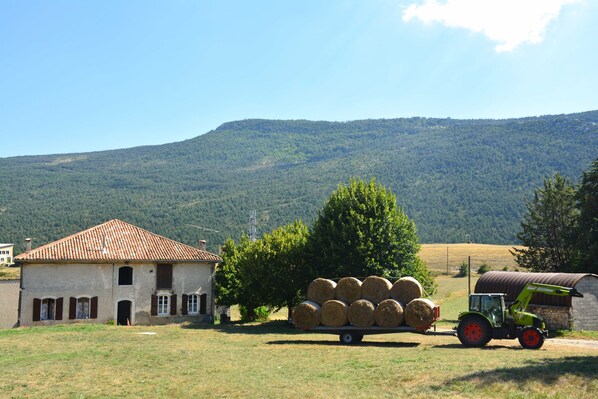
(125, 275)
(83, 308)
(193, 304)
(48, 309)
(164, 277)
(163, 309)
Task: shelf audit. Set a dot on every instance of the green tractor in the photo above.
(489, 318)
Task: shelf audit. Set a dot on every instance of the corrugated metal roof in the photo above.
(511, 283)
(116, 240)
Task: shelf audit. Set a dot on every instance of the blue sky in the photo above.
(80, 76)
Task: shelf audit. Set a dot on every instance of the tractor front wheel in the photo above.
(531, 338)
(474, 331)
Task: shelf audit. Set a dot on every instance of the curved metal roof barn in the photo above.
(511, 283)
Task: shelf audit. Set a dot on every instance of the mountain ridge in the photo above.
(454, 177)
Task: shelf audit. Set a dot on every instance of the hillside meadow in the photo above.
(274, 360)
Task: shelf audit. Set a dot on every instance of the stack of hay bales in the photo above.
(375, 301)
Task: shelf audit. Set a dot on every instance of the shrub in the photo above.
(261, 313)
(484, 268)
(462, 270)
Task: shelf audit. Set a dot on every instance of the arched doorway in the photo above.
(123, 313)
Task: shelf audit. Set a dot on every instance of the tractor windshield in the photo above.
(490, 305)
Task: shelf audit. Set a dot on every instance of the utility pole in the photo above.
(253, 225)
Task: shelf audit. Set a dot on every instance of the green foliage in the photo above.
(268, 272)
(587, 228)
(484, 268)
(361, 231)
(463, 268)
(227, 282)
(453, 177)
(546, 229)
(260, 313)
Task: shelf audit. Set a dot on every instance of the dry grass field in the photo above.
(497, 257)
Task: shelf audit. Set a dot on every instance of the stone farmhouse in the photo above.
(116, 272)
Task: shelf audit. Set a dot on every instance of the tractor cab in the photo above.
(492, 306)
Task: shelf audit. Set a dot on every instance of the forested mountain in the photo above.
(452, 177)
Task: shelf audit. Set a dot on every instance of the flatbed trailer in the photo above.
(350, 335)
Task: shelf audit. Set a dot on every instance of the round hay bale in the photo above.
(348, 290)
(389, 313)
(334, 313)
(321, 290)
(306, 315)
(375, 289)
(361, 313)
(419, 313)
(406, 289)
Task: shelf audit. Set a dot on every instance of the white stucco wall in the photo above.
(101, 280)
(9, 303)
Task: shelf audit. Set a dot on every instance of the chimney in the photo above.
(202, 245)
(27, 245)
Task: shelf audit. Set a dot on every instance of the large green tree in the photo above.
(272, 269)
(267, 272)
(361, 231)
(547, 228)
(587, 229)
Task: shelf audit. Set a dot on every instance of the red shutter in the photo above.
(203, 299)
(154, 310)
(73, 308)
(59, 302)
(173, 305)
(94, 308)
(37, 306)
(184, 304)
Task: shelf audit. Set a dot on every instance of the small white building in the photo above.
(116, 271)
(6, 254)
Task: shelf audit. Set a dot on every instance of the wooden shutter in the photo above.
(164, 276)
(73, 308)
(154, 310)
(203, 299)
(93, 313)
(37, 306)
(173, 305)
(184, 304)
(59, 302)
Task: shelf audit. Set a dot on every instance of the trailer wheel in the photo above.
(531, 338)
(474, 331)
(348, 338)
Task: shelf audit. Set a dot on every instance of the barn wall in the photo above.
(585, 310)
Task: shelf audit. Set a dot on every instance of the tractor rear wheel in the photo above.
(474, 331)
(531, 338)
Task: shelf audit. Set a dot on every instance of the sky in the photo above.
(80, 76)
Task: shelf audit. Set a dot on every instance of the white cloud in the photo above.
(510, 23)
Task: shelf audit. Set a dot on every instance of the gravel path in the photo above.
(574, 342)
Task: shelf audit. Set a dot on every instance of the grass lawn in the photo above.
(10, 273)
(272, 360)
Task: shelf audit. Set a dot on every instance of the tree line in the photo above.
(560, 227)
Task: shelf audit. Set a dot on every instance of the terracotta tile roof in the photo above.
(116, 240)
